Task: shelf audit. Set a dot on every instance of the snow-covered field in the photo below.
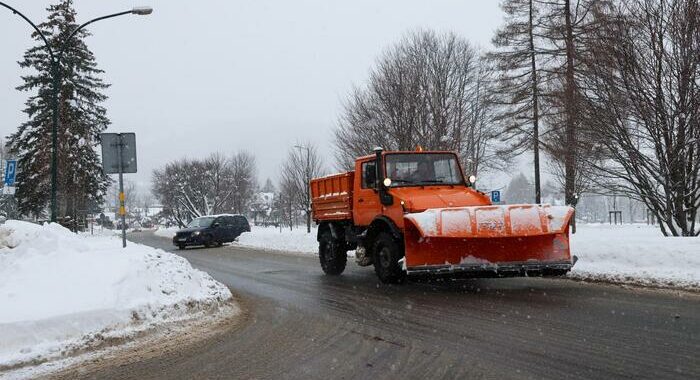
(61, 292)
(635, 254)
(624, 253)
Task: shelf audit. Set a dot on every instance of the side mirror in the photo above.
(216, 225)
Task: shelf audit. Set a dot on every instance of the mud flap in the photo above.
(508, 240)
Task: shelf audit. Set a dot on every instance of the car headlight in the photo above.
(196, 233)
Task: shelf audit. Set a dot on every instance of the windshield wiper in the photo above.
(402, 181)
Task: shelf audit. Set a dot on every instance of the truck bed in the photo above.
(331, 197)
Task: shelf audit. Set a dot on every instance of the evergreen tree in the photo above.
(519, 190)
(81, 120)
(269, 187)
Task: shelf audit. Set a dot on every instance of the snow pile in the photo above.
(271, 238)
(635, 254)
(61, 292)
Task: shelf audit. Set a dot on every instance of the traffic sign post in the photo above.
(10, 172)
(9, 177)
(119, 157)
(496, 196)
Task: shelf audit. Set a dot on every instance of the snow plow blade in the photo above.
(489, 241)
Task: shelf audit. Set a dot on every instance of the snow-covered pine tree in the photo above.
(519, 190)
(81, 120)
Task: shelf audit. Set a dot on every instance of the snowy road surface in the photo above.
(631, 253)
(302, 324)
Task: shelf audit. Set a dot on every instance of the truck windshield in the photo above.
(411, 169)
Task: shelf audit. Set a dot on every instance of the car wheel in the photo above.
(210, 242)
(181, 246)
(387, 253)
(331, 254)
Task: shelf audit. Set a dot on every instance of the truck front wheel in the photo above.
(387, 253)
(332, 254)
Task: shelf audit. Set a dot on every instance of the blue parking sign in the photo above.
(495, 196)
(10, 172)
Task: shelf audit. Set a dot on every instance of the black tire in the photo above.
(387, 253)
(331, 254)
(210, 242)
(181, 247)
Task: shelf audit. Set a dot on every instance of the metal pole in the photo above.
(55, 72)
(122, 210)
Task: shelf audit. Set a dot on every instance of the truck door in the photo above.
(366, 205)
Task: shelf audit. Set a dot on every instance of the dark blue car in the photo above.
(211, 231)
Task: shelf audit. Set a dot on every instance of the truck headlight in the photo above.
(196, 233)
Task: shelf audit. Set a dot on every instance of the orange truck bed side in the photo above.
(331, 197)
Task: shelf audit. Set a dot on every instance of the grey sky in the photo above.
(202, 76)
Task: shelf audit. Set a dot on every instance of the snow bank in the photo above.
(60, 291)
(166, 232)
(271, 238)
(635, 254)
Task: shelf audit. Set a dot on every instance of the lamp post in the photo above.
(56, 76)
(307, 171)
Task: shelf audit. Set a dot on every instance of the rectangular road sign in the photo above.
(496, 196)
(119, 156)
(10, 172)
(111, 144)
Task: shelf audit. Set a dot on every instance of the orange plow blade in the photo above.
(489, 241)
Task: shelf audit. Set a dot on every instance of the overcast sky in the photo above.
(202, 76)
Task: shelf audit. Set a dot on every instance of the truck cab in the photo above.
(409, 182)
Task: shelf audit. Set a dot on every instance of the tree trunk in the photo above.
(570, 124)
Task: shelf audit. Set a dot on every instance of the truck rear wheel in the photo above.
(387, 253)
(332, 254)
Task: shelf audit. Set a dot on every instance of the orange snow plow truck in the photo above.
(413, 213)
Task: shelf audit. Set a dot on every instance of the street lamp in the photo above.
(56, 74)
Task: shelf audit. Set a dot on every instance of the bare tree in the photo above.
(643, 95)
(518, 55)
(284, 205)
(244, 181)
(303, 163)
(428, 90)
(189, 189)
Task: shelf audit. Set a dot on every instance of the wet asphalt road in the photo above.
(304, 325)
